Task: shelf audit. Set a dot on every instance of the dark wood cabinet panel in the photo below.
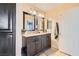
(36, 44)
(48, 40)
(44, 41)
(33, 46)
(28, 46)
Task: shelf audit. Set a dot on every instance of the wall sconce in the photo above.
(34, 12)
(40, 15)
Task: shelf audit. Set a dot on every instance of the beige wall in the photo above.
(57, 11)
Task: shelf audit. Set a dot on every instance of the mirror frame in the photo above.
(26, 13)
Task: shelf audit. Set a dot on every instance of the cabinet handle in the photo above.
(33, 40)
(37, 39)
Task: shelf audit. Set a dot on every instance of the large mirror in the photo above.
(28, 22)
(49, 24)
(32, 22)
(40, 24)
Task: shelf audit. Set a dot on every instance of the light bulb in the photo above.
(34, 13)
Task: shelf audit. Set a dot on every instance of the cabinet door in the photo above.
(38, 44)
(28, 45)
(44, 41)
(49, 40)
(33, 47)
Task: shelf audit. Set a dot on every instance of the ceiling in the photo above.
(46, 6)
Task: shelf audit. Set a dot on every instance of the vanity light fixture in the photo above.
(35, 12)
(40, 15)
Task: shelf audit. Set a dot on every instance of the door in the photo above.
(8, 30)
(69, 30)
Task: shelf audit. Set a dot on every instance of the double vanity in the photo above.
(35, 37)
(32, 44)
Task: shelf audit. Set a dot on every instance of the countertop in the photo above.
(34, 34)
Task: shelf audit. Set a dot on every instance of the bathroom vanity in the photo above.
(32, 44)
(35, 38)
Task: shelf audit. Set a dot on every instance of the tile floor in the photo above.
(52, 52)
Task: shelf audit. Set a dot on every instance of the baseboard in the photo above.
(65, 53)
(62, 51)
(54, 47)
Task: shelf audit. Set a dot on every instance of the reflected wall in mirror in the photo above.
(36, 23)
(49, 24)
(40, 24)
